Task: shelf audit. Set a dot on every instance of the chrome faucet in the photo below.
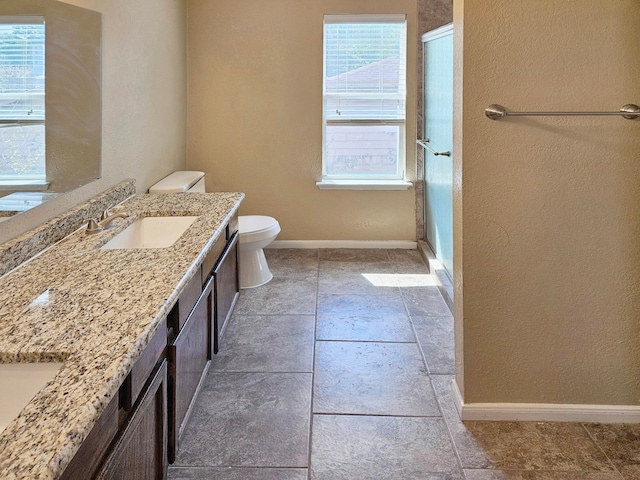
(95, 226)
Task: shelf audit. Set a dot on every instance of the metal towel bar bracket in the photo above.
(496, 112)
(423, 144)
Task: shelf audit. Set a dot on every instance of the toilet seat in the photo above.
(254, 228)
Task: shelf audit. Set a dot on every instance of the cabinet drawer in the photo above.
(232, 227)
(187, 300)
(212, 258)
(188, 357)
(226, 290)
(143, 367)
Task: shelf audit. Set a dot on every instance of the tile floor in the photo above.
(340, 368)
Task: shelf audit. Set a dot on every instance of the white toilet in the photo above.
(256, 231)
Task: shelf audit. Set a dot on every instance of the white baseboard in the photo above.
(390, 244)
(544, 412)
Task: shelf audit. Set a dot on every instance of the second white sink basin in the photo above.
(150, 232)
(20, 382)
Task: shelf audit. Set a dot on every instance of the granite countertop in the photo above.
(95, 310)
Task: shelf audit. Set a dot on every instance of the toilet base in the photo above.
(253, 267)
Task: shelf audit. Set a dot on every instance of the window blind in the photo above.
(365, 68)
(22, 74)
(22, 99)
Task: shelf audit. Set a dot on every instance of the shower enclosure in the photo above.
(437, 142)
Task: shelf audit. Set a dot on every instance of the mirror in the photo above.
(50, 140)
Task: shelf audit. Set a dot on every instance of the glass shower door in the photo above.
(438, 135)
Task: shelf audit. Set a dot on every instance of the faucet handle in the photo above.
(93, 226)
(105, 214)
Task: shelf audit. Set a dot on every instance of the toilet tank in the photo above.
(180, 182)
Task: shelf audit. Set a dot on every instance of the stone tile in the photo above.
(266, 343)
(372, 379)
(282, 295)
(353, 255)
(630, 472)
(538, 446)
(472, 454)
(537, 475)
(621, 443)
(361, 305)
(370, 328)
(433, 14)
(329, 267)
(381, 448)
(435, 336)
(419, 191)
(372, 283)
(425, 301)
(446, 289)
(249, 419)
(236, 473)
(358, 284)
(295, 262)
(519, 445)
(408, 261)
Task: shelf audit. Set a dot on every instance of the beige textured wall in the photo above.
(143, 100)
(548, 263)
(254, 121)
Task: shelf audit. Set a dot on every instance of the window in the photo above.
(22, 108)
(364, 97)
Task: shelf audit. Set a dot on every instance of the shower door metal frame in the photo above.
(427, 150)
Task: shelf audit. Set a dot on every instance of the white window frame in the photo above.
(362, 181)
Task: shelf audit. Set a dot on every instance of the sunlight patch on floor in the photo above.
(400, 280)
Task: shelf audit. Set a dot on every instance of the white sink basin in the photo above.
(150, 232)
(20, 382)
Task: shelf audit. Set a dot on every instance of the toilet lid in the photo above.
(177, 182)
(255, 223)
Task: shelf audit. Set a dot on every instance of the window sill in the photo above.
(24, 185)
(364, 185)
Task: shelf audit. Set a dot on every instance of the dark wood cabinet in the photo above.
(140, 400)
(187, 300)
(197, 336)
(189, 355)
(232, 226)
(140, 451)
(151, 356)
(226, 290)
(212, 258)
(140, 429)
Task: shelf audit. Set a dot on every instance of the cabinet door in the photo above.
(188, 357)
(140, 452)
(226, 290)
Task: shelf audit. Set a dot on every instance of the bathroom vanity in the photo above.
(134, 330)
(196, 324)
